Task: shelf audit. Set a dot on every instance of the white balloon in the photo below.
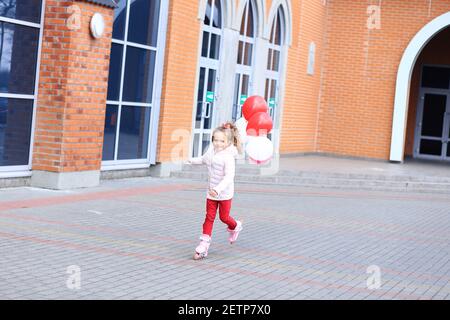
(259, 149)
(241, 124)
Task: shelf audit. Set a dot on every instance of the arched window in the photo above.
(20, 28)
(208, 74)
(274, 63)
(243, 78)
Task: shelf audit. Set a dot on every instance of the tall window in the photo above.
(20, 27)
(207, 82)
(271, 92)
(131, 90)
(243, 79)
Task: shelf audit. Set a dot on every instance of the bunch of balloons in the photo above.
(253, 127)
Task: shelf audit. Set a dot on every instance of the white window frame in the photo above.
(157, 87)
(207, 63)
(25, 170)
(276, 75)
(241, 68)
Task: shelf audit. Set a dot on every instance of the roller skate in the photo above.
(202, 249)
(235, 233)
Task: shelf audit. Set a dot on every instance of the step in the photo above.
(330, 182)
(327, 175)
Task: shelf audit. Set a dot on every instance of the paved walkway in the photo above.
(134, 239)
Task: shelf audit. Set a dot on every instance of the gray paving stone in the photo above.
(297, 244)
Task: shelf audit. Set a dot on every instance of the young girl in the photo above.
(220, 160)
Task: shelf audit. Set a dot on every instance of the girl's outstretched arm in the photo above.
(199, 160)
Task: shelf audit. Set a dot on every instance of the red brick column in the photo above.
(71, 103)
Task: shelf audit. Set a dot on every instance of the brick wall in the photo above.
(72, 90)
(180, 70)
(360, 70)
(299, 125)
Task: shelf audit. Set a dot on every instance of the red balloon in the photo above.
(253, 105)
(259, 124)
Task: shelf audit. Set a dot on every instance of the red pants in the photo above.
(224, 213)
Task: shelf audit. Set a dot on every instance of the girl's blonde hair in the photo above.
(232, 134)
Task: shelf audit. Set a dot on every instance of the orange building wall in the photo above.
(299, 125)
(345, 108)
(360, 70)
(180, 71)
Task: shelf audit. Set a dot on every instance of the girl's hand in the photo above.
(213, 193)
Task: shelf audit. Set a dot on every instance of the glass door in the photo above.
(273, 68)
(432, 132)
(208, 77)
(433, 115)
(243, 79)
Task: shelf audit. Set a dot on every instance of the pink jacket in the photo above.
(221, 168)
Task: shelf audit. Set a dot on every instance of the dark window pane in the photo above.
(269, 60)
(143, 25)
(205, 142)
(242, 31)
(18, 56)
(205, 43)
(119, 20)
(448, 150)
(211, 80)
(217, 21)
(236, 96)
(240, 52)
(109, 140)
(15, 131)
(278, 29)
(215, 46)
(195, 149)
(433, 115)
(29, 10)
(250, 28)
(115, 69)
(276, 60)
(210, 105)
(248, 54)
(273, 88)
(272, 33)
(266, 90)
(245, 84)
(431, 147)
(434, 77)
(134, 132)
(201, 87)
(207, 20)
(139, 70)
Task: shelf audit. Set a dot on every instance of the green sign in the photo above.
(272, 102)
(209, 96)
(242, 99)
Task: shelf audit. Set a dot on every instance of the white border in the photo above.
(403, 84)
